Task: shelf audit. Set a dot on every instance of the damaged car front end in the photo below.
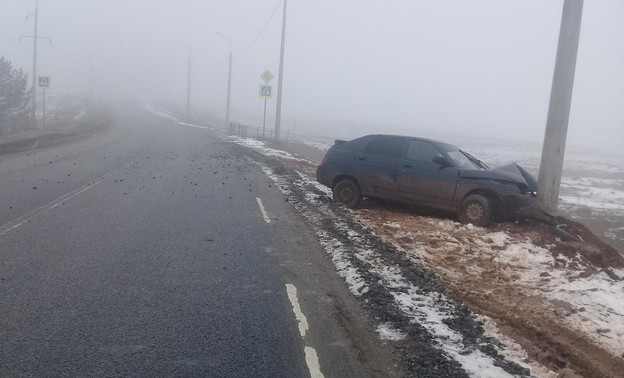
(511, 188)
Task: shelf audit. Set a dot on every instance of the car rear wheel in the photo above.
(476, 209)
(347, 192)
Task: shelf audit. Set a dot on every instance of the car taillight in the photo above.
(324, 160)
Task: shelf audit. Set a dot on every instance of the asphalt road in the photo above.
(153, 249)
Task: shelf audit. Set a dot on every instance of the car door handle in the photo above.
(361, 157)
(408, 166)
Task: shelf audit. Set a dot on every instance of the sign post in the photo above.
(266, 91)
(264, 119)
(43, 82)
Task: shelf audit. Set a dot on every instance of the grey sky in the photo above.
(402, 66)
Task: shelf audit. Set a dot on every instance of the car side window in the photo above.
(419, 150)
(386, 146)
(356, 145)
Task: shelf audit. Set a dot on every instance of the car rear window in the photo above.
(387, 146)
(356, 145)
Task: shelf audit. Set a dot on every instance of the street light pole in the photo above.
(278, 113)
(551, 166)
(188, 84)
(229, 92)
(188, 92)
(228, 125)
(90, 70)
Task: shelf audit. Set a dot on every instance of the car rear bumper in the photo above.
(320, 174)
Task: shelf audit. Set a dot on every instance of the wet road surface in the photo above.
(152, 249)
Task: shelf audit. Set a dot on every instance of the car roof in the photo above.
(412, 137)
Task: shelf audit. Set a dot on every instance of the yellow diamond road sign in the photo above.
(266, 91)
(266, 76)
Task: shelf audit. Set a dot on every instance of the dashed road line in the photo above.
(292, 296)
(312, 361)
(311, 357)
(12, 225)
(263, 211)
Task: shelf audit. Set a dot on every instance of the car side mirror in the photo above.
(442, 161)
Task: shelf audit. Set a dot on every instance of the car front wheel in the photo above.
(347, 192)
(476, 209)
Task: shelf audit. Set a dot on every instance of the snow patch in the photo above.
(498, 239)
(387, 332)
(594, 304)
(262, 148)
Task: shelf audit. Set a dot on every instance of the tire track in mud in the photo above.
(393, 290)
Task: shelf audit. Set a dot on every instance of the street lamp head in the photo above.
(188, 48)
(225, 36)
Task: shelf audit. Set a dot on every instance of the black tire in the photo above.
(476, 209)
(347, 192)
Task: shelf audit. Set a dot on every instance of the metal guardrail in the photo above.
(246, 131)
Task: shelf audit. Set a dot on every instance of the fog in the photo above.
(470, 68)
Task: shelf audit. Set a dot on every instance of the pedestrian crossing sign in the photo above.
(266, 91)
(44, 81)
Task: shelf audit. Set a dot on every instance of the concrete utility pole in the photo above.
(278, 114)
(35, 38)
(553, 150)
(34, 74)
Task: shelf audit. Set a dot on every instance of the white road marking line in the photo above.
(312, 361)
(311, 357)
(292, 296)
(263, 211)
(9, 226)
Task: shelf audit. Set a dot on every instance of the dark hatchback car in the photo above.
(423, 172)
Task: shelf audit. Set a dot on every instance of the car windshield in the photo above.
(462, 159)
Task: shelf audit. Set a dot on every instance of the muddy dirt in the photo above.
(531, 320)
(592, 248)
